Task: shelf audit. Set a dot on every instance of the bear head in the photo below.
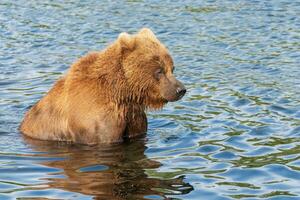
(148, 69)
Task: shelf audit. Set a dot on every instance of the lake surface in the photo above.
(235, 135)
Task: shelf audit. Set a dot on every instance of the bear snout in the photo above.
(180, 92)
(180, 89)
(174, 90)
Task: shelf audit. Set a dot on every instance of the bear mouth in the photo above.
(173, 99)
(165, 100)
(180, 96)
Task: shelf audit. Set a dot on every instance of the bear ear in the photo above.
(126, 41)
(148, 33)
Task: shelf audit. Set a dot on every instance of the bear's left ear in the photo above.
(148, 33)
(126, 41)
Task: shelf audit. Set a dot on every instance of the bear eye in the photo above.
(158, 73)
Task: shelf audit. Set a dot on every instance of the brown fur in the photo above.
(103, 96)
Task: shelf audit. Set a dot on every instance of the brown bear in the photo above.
(104, 95)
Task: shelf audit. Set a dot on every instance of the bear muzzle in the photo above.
(180, 91)
(174, 91)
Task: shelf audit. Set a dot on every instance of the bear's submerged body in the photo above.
(103, 96)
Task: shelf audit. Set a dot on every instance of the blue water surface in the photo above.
(235, 134)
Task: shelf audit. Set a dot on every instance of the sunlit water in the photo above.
(235, 135)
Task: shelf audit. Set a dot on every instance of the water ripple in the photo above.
(235, 135)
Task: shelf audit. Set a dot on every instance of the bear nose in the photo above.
(181, 91)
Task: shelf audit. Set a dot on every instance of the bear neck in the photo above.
(111, 77)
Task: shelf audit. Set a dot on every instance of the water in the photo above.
(235, 135)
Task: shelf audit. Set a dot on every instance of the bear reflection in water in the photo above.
(106, 172)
